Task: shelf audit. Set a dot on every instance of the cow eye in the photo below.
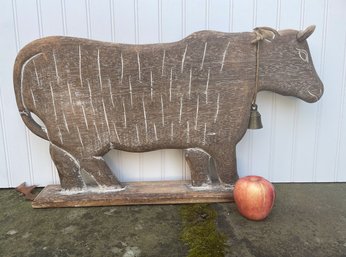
(303, 54)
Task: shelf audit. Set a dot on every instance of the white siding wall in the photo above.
(299, 142)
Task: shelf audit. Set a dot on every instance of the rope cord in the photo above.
(257, 74)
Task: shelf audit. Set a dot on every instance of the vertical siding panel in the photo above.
(125, 20)
(148, 26)
(340, 174)
(100, 20)
(243, 16)
(4, 164)
(21, 171)
(76, 18)
(231, 16)
(51, 18)
(30, 20)
(196, 20)
(112, 19)
(327, 141)
(7, 121)
(219, 15)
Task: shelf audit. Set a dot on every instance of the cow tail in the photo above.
(23, 57)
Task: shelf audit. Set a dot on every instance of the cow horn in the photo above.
(265, 33)
(304, 34)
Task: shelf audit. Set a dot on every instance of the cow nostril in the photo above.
(315, 94)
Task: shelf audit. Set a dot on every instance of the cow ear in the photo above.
(264, 33)
(304, 34)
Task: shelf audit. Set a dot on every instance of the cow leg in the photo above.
(99, 171)
(226, 165)
(68, 168)
(199, 163)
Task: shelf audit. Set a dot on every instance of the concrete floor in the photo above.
(307, 220)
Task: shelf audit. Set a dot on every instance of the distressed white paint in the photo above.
(162, 112)
(79, 66)
(224, 56)
(299, 141)
(204, 52)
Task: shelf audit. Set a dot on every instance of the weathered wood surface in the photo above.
(160, 192)
(194, 94)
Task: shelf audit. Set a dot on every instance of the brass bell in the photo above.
(255, 118)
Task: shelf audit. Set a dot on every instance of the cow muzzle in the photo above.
(313, 94)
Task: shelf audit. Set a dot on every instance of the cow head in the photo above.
(285, 63)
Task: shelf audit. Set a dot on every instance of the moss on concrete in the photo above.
(200, 232)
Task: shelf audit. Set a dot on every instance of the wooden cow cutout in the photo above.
(194, 94)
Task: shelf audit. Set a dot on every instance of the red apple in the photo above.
(254, 197)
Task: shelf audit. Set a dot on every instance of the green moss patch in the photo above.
(200, 233)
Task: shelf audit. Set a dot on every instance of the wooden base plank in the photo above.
(135, 193)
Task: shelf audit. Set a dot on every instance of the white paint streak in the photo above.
(22, 76)
(110, 92)
(217, 107)
(90, 96)
(33, 98)
(145, 119)
(187, 132)
(53, 100)
(116, 132)
(80, 66)
(181, 109)
(122, 67)
(106, 118)
(70, 95)
(190, 82)
(163, 62)
(137, 134)
(36, 74)
(197, 110)
(125, 125)
(85, 118)
(65, 122)
(204, 134)
(151, 85)
(139, 67)
(206, 87)
(172, 131)
(130, 89)
(170, 85)
(56, 68)
(162, 112)
(155, 132)
(99, 67)
(80, 137)
(204, 53)
(183, 59)
(224, 56)
(97, 132)
(60, 136)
